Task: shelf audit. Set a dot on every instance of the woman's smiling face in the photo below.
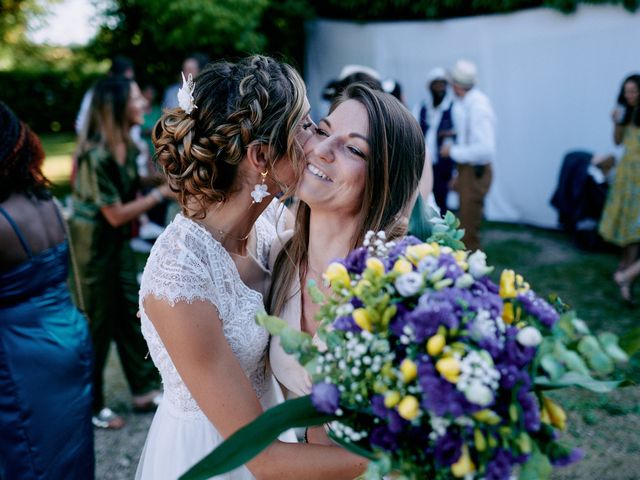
(336, 161)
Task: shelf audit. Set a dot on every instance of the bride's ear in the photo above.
(258, 156)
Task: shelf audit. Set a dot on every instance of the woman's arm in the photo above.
(119, 214)
(618, 134)
(193, 336)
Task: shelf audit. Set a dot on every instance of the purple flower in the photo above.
(346, 324)
(440, 396)
(434, 309)
(530, 410)
(448, 449)
(500, 466)
(539, 308)
(575, 455)
(356, 302)
(325, 397)
(484, 299)
(514, 353)
(395, 423)
(377, 406)
(452, 269)
(510, 375)
(383, 438)
(399, 249)
(399, 321)
(356, 261)
(486, 282)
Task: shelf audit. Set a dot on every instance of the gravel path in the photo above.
(118, 451)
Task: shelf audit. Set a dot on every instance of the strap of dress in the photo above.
(61, 221)
(23, 241)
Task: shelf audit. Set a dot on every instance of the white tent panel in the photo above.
(553, 80)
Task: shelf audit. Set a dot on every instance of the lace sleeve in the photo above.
(177, 269)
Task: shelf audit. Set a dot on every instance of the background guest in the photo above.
(105, 204)
(45, 347)
(473, 150)
(192, 65)
(620, 222)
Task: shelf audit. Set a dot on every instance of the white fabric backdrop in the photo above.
(553, 80)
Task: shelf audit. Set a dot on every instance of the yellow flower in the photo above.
(521, 285)
(415, 253)
(408, 408)
(556, 414)
(508, 284)
(479, 441)
(487, 416)
(507, 313)
(524, 442)
(391, 399)
(362, 319)
(402, 266)
(409, 370)
(449, 368)
(464, 465)
(435, 344)
(544, 416)
(461, 259)
(336, 272)
(376, 266)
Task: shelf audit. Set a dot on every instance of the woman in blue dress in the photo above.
(45, 347)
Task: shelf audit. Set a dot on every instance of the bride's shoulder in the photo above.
(181, 263)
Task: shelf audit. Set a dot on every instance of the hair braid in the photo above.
(255, 100)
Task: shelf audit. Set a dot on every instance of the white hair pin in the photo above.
(185, 94)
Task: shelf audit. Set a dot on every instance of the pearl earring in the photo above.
(260, 189)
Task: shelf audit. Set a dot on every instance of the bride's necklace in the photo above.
(221, 235)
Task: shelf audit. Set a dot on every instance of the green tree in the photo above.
(365, 10)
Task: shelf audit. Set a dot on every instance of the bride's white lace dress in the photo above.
(187, 264)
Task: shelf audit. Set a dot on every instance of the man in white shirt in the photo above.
(474, 149)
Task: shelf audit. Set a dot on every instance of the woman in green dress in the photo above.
(106, 202)
(620, 222)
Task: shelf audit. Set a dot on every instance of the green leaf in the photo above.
(609, 343)
(251, 439)
(317, 296)
(538, 467)
(553, 367)
(574, 379)
(292, 340)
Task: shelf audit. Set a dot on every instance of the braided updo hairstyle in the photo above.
(257, 100)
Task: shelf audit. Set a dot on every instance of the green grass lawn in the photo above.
(606, 426)
(57, 166)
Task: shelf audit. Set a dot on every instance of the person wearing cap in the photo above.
(45, 346)
(352, 74)
(434, 115)
(473, 150)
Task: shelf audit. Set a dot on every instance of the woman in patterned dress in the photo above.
(620, 222)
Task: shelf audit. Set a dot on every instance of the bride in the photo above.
(235, 140)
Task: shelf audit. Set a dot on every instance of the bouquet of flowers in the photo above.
(431, 370)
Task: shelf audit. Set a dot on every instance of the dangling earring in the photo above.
(260, 189)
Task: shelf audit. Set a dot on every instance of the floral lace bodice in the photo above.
(187, 264)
